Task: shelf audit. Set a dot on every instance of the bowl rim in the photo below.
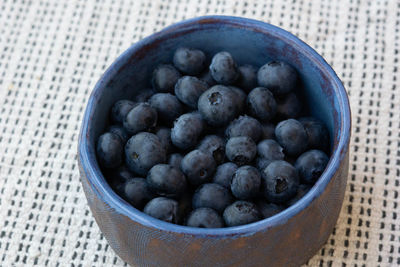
(95, 178)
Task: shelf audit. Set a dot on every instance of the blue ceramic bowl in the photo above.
(289, 238)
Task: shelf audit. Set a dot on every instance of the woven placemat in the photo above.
(53, 52)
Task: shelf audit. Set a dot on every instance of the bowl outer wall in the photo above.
(289, 238)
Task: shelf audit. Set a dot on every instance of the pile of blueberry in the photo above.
(215, 147)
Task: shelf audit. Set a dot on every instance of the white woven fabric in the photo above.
(53, 52)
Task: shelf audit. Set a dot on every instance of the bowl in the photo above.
(289, 238)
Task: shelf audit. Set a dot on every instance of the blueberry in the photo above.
(241, 98)
(218, 105)
(268, 131)
(164, 134)
(205, 218)
(303, 189)
(292, 136)
(175, 160)
(189, 61)
(166, 180)
(240, 213)
(187, 130)
(270, 149)
(144, 95)
(207, 77)
(137, 193)
(215, 146)
(184, 205)
(244, 126)
(277, 76)
(279, 181)
(241, 150)
(223, 174)
(311, 165)
(247, 77)
(212, 196)
(198, 167)
(163, 208)
(268, 209)
(109, 150)
(164, 78)
(120, 109)
(246, 182)
(288, 107)
(143, 151)
(188, 90)
(168, 107)
(141, 118)
(117, 178)
(318, 136)
(223, 68)
(261, 104)
(262, 163)
(120, 131)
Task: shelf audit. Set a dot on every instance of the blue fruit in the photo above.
(224, 173)
(279, 182)
(311, 165)
(118, 177)
(164, 78)
(187, 130)
(164, 134)
(205, 218)
(109, 150)
(120, 131)
(188, 90)
(261, 104)
(175, 160)
(244, 126)
(144, 95)
(241, 98)
(215, 146)
(137, 193)
(240, 213)
(279, 77)
(247, 77)
(143, 151)
(198, 167)
(218, 105)
(141, 118)
(212, 196)
(241, 150)
(292, 136)
(268, 131)
(288, 107)
(189, 60)
(166, 180)
(164, 209)
(120, 109)
(246, 182)
(168, 107)
(224, 69)
(317, 133)
(207, 77)
(262, 163)
(268, 209)
(269, 149)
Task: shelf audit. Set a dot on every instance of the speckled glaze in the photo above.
(286, 239)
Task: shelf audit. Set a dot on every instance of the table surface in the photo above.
(52, 53)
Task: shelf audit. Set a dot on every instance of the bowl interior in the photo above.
(247, 47)
(250, 42)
